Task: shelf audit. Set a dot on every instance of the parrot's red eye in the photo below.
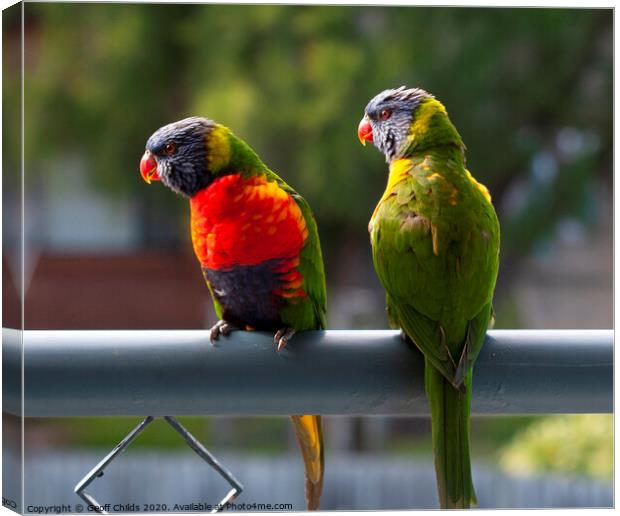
(171, 148)
(385, 114)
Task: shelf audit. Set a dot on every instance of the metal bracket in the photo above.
(194, 444)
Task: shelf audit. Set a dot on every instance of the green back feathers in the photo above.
(227, 153)
(432, 129)
(435, 239)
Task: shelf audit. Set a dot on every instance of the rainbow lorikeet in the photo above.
(435, 247)
(257, 243)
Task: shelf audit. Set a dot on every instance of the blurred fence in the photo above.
(362, 481)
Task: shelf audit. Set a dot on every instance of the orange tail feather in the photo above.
(310, 439)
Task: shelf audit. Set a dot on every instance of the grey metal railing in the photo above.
(158, 373)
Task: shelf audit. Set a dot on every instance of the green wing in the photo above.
(310, 314)
(435, 240)
(311, 266)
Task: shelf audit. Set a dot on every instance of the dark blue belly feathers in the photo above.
(245, 293)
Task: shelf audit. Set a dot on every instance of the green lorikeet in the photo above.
(257, 243)
(435, 247)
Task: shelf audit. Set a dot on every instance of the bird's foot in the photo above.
(282, 336)
(220, 328)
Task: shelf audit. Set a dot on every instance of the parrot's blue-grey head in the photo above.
(387, 120)
(176, 155)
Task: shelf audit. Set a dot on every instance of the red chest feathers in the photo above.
(237, 221)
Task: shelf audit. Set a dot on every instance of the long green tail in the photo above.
(450, 411)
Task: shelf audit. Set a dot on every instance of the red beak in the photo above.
(364, 131)
(148, 168)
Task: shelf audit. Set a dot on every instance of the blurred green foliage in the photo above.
(106, 432)
(577, 444)
(488, 433)
(293, 81)
(260, 435)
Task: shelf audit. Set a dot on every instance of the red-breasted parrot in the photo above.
(435, 247)
(257, 243)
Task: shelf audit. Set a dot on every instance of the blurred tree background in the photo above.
(530, 91)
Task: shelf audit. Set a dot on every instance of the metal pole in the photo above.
(110, 373)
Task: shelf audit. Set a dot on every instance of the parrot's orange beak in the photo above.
(148, 168)
(364, 131)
